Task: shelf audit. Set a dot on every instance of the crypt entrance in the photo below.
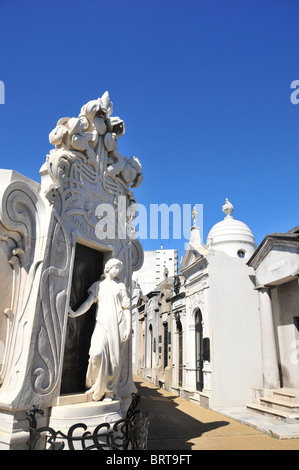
(87, 269)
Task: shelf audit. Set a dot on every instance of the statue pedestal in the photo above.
(78, 408)
(90, 414)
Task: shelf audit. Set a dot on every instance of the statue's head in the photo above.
(113, 263)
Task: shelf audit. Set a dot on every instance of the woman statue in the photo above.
(112, 330)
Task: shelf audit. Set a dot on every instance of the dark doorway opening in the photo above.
(199, 350)
(165, 361)
(87, 269)
(180, 348)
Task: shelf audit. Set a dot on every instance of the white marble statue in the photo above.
(111, 332)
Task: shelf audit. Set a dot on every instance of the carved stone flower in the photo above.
(116, 126)
(90, 109)
(100, 125)
(77, 125)
(110, 142)
(57, 135)
(107, 104)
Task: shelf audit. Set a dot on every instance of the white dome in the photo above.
(232, 236)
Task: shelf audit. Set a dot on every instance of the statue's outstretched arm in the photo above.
(127, 314)
(83, 308)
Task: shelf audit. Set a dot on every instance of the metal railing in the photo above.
(129, 433)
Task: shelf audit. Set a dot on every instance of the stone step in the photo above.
(283, 394)
(284, 415)
(283, 405)
(290, 395)
(266, 409)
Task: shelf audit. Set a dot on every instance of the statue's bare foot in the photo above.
(109, 397)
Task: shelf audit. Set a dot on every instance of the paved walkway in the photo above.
(179, 424)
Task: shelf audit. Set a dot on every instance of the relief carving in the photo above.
(20, 228)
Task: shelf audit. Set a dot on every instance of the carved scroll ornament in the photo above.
(21, 229)
(92, 138)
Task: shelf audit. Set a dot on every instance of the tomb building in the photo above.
(276, 265)
(153, 334)
(217, 344)
(56, 236)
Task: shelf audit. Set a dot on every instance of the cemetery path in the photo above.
(179, 424)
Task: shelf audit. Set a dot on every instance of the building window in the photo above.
(241, 253)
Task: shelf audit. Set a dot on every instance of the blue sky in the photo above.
(203, 88)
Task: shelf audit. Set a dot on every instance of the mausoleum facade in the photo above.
(214, 342)
(55, 238)
(222, 353)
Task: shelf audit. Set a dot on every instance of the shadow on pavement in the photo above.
(170, 428)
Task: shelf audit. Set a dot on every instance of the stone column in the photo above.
(269, 354)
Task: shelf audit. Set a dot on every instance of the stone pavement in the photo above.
(179, 424)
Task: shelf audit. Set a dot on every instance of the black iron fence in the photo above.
(129, 433)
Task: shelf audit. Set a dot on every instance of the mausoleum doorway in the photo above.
(87, 269)
(199, 350)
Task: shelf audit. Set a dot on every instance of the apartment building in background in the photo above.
(152, 272)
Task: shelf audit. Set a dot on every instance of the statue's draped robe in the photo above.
(107, 342)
